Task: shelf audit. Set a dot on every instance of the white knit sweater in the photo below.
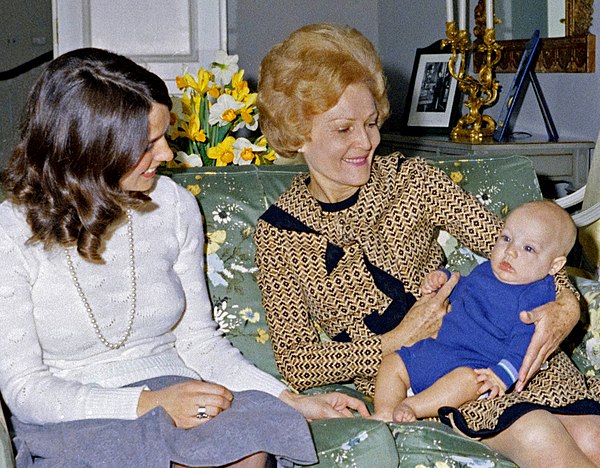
(54, 368)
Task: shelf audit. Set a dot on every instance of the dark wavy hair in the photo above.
(85, 126)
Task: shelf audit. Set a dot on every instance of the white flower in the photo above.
(224, 67)
(221, 215)
(483, 198)
(243, 151)
(215, 268)
(188, 160)
(224, 111)
(226, 321)
(250, 126)
(243, 269)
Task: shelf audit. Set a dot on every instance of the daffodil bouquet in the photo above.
(213, 108)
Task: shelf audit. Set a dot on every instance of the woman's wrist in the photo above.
(569, 306)
(289, 397)
(146, 402)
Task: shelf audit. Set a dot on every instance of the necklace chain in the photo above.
(133, 296)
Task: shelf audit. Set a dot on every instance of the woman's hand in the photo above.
(324, 406)
(181, 401)
(422, 321)
(553, 322)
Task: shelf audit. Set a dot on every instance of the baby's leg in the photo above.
(390, 387)
(453, 389)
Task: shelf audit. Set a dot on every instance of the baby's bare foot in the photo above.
(404, 413)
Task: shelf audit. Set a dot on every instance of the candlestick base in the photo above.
(473, 130)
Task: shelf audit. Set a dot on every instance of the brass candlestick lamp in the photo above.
(480, 92)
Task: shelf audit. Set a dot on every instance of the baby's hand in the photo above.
(433, 281)
(490, 383)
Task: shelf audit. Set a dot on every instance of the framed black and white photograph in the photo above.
(433, 101)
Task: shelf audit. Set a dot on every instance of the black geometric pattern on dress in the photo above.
(333, 255)
(561, 388)
(283, 220)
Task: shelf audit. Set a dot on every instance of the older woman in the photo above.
(348, 245)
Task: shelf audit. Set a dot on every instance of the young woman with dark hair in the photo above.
(110, 355)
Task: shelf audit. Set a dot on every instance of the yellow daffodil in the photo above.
(185, 81)
(189, 129)
(204, 78)
(214, 91)
(270, 156)
(215, 104)
(223, 152)
(186, 104)
(239, 86)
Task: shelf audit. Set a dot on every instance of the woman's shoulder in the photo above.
(167, 192)
(13, 222)
(296, 194)
(14, 234)
(393, 171)
(397, 162)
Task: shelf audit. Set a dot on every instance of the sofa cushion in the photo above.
(231, 199)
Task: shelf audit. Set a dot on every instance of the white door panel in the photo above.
(167, 36)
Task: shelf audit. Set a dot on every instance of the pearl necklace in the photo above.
(86, 305)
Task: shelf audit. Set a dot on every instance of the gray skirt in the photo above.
(255, 422)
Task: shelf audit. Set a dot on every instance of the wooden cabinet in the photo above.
(565, 160)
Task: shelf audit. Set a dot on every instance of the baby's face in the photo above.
(525, 251)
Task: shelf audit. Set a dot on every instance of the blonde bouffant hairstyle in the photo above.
(306, 74)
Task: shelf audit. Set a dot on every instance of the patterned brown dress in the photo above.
(353, 268)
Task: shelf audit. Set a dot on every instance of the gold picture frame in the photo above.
(574, 53)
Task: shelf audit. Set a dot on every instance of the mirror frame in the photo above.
(574, 53)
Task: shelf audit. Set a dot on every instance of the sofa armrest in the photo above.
(6, 451)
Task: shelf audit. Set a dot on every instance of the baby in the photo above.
(481, 343)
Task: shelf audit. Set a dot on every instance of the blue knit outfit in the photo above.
(483, 329)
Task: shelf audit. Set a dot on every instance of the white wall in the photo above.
(255, 26)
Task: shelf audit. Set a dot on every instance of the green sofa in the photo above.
(233, 197)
